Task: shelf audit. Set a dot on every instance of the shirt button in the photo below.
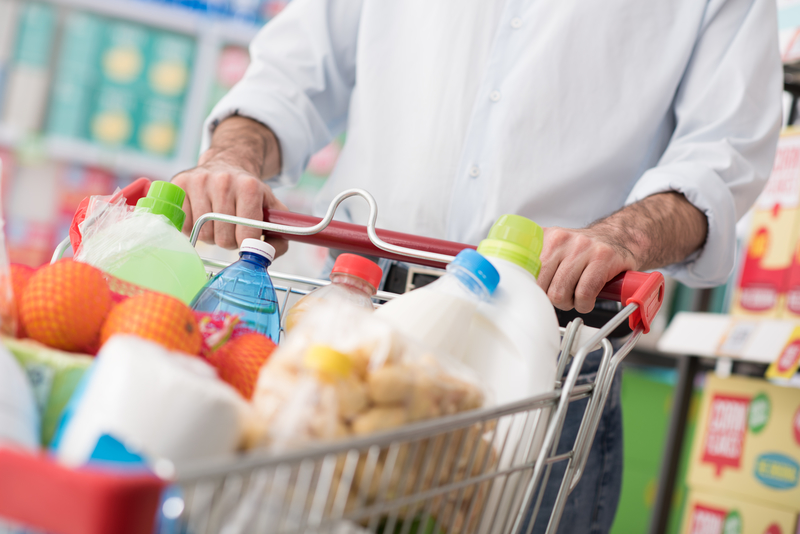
(494, 96)
(474, 171)
(516, 23)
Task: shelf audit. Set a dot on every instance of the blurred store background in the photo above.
(95, 93)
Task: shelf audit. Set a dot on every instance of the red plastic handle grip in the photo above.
(38, 492)
(644, 289)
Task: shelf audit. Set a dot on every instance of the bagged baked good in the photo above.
(343, 372)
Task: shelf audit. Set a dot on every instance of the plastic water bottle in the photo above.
(354, 280)
(244, 288)
(439, 314)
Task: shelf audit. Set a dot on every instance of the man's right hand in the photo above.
(228, 180)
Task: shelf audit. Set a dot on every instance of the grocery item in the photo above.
(761, 288)
(709, 513)
(244, 288)
(748, 442)
(344, 372)
(19, 418)
(9, 313)
(354, 280)
(157, 317)
(25, 98)
(239, 361)
(158, 403)
(438, 314)
(64, 306)
(145, 246)
(53, 374)
(514, 340)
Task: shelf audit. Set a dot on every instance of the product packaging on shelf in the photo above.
(28, 79)
(76, 77)
(748, 442)
(761, 289)
(708, 513)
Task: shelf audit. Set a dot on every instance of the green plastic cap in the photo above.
(515, 239)
(164, 198)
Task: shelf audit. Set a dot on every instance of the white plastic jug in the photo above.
(19, 417)
(439, 314)
(513, 344)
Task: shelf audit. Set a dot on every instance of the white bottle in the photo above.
(19, 417)
(514, 341)
(438, 315)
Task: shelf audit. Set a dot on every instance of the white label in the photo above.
(737, 338)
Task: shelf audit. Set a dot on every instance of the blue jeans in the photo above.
(591, 507)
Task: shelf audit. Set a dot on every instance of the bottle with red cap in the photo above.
(354, 279)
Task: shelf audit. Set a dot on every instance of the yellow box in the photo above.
(748, 441)
(708, 513)
(761, 288)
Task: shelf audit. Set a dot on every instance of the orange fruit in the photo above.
(20, 275)
(157, 317)
(64, 306)
(239, 361)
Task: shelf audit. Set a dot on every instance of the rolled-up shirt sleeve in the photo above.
(727, 121)
(299, 82)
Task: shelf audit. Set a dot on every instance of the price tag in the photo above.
(734, 343)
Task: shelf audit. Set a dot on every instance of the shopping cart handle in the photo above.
(353, 238)
(38, 492)
(644, 289)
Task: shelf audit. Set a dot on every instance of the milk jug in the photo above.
(438, 315)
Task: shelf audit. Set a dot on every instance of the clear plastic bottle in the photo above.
(244, 288)
(439, 314)
(354, 279)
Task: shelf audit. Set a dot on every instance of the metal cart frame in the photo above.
(479, 471)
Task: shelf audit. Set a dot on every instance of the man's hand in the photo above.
(657, 231)
(228, 180)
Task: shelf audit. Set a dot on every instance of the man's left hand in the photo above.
(657, 231)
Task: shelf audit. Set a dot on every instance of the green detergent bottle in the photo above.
(150, 251)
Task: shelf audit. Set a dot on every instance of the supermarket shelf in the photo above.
(169, 17)
(714, 335)
(126, 162)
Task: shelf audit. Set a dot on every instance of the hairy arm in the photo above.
(659, 230)
(229, 179)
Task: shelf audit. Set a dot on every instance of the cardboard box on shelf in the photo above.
(159, 124)
(708, 513)
(774, 229)
(113, 121)
(170, 64)
(124, 56)
(748, 441)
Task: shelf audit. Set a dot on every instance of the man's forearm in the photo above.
(247, 144)
(656, 231)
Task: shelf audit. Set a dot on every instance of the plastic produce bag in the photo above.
(343, 372)
(8, 308)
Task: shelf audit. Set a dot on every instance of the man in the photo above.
(636, 132)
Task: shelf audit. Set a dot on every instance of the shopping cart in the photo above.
(479, 471)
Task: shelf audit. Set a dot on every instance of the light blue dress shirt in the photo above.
(458, 111)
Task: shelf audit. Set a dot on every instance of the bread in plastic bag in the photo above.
(344, 372)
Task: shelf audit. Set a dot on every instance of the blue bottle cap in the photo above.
(480, 267)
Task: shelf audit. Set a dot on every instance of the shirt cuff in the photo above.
(711, 266)
(277, 116)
